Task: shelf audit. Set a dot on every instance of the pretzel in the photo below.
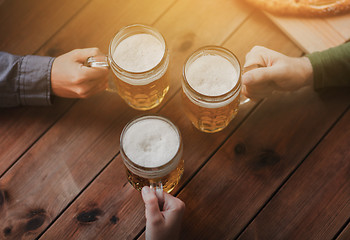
(303, 8)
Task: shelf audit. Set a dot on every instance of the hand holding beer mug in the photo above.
(151, 149)
(139, 58)
(211, 88)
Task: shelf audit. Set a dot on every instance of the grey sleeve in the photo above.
(25, 80)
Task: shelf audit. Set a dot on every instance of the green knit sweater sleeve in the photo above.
(331, 67)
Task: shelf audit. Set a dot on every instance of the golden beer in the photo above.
(151, 149)
(211, 88)
(139, 59)
(143, 97)
(168, 181)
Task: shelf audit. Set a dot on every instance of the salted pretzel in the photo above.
(303, 8)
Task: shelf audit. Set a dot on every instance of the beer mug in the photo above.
(211, 88)
(151, 149)
(139, 58)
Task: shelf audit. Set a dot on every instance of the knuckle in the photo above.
(257, 49)
(81, 92)
(156, 221)
(95, 51)
(75, 52)
(180, 205)
(151, 200)
(78, 79)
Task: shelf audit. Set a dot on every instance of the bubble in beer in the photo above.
(151, 142)
(138, 53)
(212, 75)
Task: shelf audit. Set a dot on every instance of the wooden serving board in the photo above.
(314, 34)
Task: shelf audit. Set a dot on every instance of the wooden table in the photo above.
(281, 170)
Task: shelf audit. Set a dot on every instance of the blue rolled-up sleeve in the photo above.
(25, 80)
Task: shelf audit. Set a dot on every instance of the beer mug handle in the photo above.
(157, 187)
(101, 61)
(97, 61)
(244, 99)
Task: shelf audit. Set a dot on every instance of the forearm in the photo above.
(331, 68)
(25, 80)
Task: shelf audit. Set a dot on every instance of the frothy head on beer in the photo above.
(151, 142)
(139, 52)
(212, 75)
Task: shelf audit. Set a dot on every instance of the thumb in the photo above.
(151, 204)
(260, 76)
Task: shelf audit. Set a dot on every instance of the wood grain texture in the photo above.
(71, 183)
(96, 25)
(259, 30)
(237, 181)
(341, 24)
(189, 25)
(314, 203)
(312, 34)
(70, 154)
(21, 127)
(27, 25)
(132, 216)
(240, 42)
(345, 234)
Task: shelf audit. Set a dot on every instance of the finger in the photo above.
(81, 55)
(261, 75)
(153, 213)
(255, 57)
(256, 96)
(94, 89)
(93, 73)
(262, 56)
(258, 92)
(174, 208)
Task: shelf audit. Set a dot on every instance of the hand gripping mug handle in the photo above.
(157, 187)
(101, 61)
(244, 99)
(97, 61)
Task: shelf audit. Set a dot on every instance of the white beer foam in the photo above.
(211, 104)
(151, 142)
(139, 53)
(212, 75)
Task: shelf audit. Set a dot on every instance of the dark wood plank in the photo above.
(314, 203)
(243, 175)
(124, 203)
(60, 163)
(259, 30)
(258, 157)
(200, 146)
(129, 210)
(21, 127)
(345, 234)
(27, 25)
(98, 23)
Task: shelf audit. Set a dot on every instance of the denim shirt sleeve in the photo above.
(25, 80)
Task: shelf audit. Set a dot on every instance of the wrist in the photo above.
(306, 71)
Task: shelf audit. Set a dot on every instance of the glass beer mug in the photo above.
(139, 58)
(211, 87)
(151, 149)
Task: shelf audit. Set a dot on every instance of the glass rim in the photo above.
(137, 26)
(217, 98)
(154, 170)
